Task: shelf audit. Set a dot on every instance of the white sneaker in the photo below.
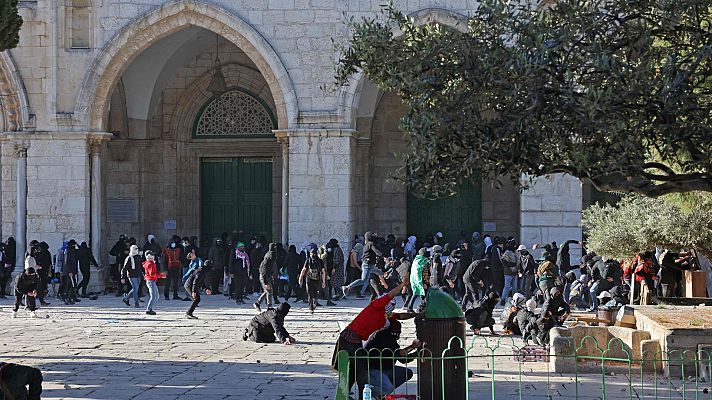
(14, 314)
(33, 314)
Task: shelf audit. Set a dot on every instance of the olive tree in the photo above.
(638, 224)
(613, 92)
(10, 23)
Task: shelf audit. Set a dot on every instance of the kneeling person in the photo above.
(266, 325)
(384, 376)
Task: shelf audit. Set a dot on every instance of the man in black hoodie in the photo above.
(20, 382)
(266, 325)
(195, 283)
(371, 257)
(218, 256)
(26, 286)
(266, 277)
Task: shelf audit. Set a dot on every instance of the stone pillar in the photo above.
(21, 205)
(96, 185)
(551, 211)
(321, 167)
(96, 279)
(283, 140)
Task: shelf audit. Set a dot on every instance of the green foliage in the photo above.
(10, 23)
(637, 224)
(614, 92)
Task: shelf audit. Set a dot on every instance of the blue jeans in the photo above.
(593, 293)
(134, 289)
(152, 293)
(386, 381)
(511, 283)
(365, 274)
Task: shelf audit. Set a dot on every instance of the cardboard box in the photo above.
(694, 284)
(625, 325)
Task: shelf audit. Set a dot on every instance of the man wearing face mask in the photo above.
(26, 286)
(195, 281)
(120, 251)
(218, 256)
(131, 272)
(172, 254)
(266, 277)
(151, 275)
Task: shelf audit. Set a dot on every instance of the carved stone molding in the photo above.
(10, 106)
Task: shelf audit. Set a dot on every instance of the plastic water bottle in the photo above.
(367, 392)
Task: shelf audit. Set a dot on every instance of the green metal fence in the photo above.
(498, 368)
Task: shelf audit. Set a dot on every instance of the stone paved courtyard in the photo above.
(104, 350)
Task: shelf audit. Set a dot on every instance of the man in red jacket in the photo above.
(375, 317)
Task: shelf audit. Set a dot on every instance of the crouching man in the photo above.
(384, 376)
(20, 382)
(268, 326)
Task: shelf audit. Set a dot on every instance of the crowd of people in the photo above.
(480, 272)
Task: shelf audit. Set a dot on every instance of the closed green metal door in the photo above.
(450, 215)
(236, 194)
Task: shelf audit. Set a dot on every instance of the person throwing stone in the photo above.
(375, 317)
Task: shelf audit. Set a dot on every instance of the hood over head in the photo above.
(150, 238)
(369, 236)
(272, 246)
(283, 308)
(332, 243)
(412, 239)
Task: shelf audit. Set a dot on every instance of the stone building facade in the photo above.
(109, 126)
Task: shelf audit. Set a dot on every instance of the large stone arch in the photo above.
(14, 111)
(360, 92)
(95, 95)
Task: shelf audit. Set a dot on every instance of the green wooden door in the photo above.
(236, 194)
(450, 215)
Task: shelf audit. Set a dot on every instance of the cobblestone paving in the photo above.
(104, 350)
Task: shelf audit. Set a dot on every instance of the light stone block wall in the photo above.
(387, 206)
(58, 188)
(8, 162)
(500, 205)
(300, 32)
(320, 186)
(551, 211)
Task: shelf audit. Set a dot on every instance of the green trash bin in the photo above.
(439, 327)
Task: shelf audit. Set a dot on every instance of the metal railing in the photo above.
(496, 368)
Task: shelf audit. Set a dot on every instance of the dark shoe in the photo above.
(239, 301)
(330, 303)
(76, 300)
(187, 299)
(137, 305)
(150, 312)
(244, 335)
(44, 303)
(257, 307)
(190, 316)
(166, 297)
(316, 304)
(126, 301)
(360, 296)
